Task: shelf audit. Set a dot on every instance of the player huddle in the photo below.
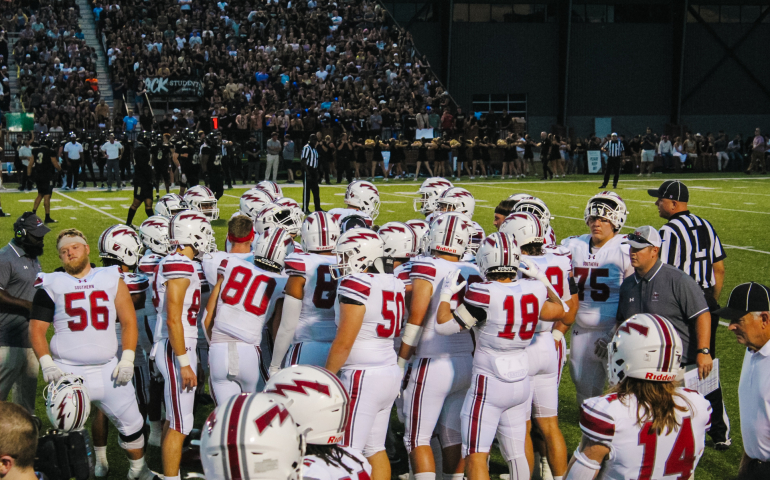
(334, 320)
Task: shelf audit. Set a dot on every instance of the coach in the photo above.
(748, 310)
(663, 290)
(19, 267)
(692, 245)
(310, 164)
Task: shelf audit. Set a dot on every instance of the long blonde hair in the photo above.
(655, 403)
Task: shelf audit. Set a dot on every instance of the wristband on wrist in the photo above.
(184, 360)
(401, 362)
(445, 297)
(128, 356)
(46, 361)
(557, 335)
(411, 334)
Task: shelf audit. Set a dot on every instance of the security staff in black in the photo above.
(184, 156)
(161, 160)
(142, 178)
(211, 151)
(46, 164)
(87, 157)
(691, 244)
(310, 165)
(614, 150)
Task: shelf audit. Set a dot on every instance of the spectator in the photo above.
(665, 150)
(288, 157)
(720, 149)
(758, 148)
(735, 150)
(649, 142)
(114, 151)
(274, 149)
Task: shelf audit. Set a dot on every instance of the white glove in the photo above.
(451, 286)
(51, 373)
(273, 370)
(124, 371)
(529, 269)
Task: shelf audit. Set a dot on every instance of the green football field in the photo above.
(737, 206)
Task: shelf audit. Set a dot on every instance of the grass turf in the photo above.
(735, 205)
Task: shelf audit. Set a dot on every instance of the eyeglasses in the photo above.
(638, 238)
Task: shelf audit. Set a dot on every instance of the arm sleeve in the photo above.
(42, 306)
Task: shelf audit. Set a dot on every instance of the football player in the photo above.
(647, 426)
(162, 154)
(178, 290)
(502, 210)
(363, 198)
(202, 199)
(600, 262)
(538, 207)
(441, 367)
(253, 200)
(506, 312)
(142, 179)
(45, 162)
(369, 306)
(244, 298)
(272, 188)
(82, 303)
(306, 323)
(170, 204)
(457, 199)
(430, 190)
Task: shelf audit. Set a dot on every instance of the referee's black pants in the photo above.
(720, 428)
(613, 166)
(310, 184)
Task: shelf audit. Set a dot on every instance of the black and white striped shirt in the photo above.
(691, 245)
(310, 156)
(614, 148)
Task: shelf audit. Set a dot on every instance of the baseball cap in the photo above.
(673, 190)
(614, 134)
(745, 298)
(644, 237)
(32, 224)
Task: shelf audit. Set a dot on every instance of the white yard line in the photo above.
(92, 207)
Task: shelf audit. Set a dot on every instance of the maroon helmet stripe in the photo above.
(506, 251)
(232, 437)
(450, 231)
(273, 243)
(667, 343)
(322, 228)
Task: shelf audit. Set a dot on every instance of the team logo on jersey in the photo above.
(264, 420)
(301, 387)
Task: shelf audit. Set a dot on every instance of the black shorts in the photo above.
(44, 186)
(142, 191)
(161, 173)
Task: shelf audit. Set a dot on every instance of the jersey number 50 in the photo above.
(392, 326)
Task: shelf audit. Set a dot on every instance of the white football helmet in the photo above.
(477, 236)
(319, 233)
(450, 233)
(271, 188)
(456, 199)
(525, 227)
(400, 240)
(419, 226)
(271, 248)
(356, 250)
(251, 437)
(607, 205)
(429, 191)
(316, 399)
(272, 216)
(517, 197)
(121, 243)
(191, 228)
(537, 207)
(253, 201)
(67, 403)
(498, 253)
(170, 204)
(646, 347)
(365, 196)
(154, 234)
(202, 199)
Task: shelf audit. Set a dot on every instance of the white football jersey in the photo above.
(316, 320)
(212, 261)
(172, 267)
(382, 295)
(598, 274)
(314, 468)
(246, 300)
(432, 345)
(340, 214)
(550, 237)
(84, 315)
(512, 314)
(557, 268)
(636, 451)
(148, 265)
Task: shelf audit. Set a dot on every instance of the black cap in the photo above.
(673, 190)
(29, 223)
(745, 298)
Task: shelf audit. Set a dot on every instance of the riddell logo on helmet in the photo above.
(442, 248)
(660, 377)
(334, 439)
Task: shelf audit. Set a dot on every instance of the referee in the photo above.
(614, 150)
(310, 183)
(691, 245)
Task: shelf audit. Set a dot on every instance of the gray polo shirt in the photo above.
(670, 293)
(17, 278)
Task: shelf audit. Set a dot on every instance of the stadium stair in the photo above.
(13, 78)
(88, 26)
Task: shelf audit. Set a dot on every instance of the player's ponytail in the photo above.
(655, 403)
(332, 455)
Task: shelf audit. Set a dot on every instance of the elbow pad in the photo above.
(289, 320)
(464, 318)
(584, 468)
(412, 334)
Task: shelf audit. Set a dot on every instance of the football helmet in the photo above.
(365, 196)
(170, 204)
(251, 437)
(400, 241)
(429, 191)
(537, 207)
(253, 201)
(477, 236)
(271, 248)
(419, 226)
(352, 221)
(272, 215)
(319, 233)
(67, 404)
(450, 233)
(525, 227)
(646, 347)
(498, 253)
(121, 243)
(456, 199)
(191, 228)
(153, 233)
(607, 205)
(356, 250)
(202, 199)
(271, 188)
(316, 399)
(517, 197)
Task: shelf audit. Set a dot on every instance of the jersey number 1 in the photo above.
(680, 460)
(530, 311)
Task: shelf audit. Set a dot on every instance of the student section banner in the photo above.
(594, 161)
(173, 87)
